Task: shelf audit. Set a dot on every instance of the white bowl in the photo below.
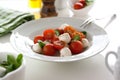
(80, 12)
(22, 38)
(18, 74)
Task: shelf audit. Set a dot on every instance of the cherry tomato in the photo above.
(76, 47)
(59, 44)
(83, 2)
(49, 34)
(36, 38)
(49, 50)
(55, 38)
(78, 5)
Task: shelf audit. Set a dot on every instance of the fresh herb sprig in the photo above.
(12, 63)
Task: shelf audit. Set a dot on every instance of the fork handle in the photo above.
(110, 20)
(89, 20)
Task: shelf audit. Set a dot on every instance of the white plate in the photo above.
(22, 38)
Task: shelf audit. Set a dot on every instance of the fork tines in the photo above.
(86, 22)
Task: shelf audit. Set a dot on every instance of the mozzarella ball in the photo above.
(65, 37)
(36, 48)
(85, 43)
(65, 52)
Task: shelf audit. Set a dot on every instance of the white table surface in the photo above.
(89, 69)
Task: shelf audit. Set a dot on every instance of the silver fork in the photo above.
(90, 19)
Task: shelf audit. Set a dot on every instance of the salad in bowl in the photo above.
(62, 41)
(58, 39)
(80, 7)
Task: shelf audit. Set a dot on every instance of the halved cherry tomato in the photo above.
(76, 47)
(39, 37)
(59, 44)
(49, 34)
(54, 39)
(78, 5)
(49, 50)
(83, 2)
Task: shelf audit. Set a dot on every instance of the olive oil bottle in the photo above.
(35, 3)
(35, 7)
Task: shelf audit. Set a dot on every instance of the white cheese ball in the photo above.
(65, 52)
(37, 48)
(85, 43)
(2, 71)
(65, 37)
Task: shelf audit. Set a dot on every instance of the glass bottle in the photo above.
(35, 6)
(48, 9)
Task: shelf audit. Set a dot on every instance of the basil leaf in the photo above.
(9, 68)
(41, 44)
(57, 32)
(76, 37)
(84, 32)
(19, 59)
(89, 2)
(11, 59)
(12, 63)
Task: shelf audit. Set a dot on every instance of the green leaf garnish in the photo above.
(89, 2)
(11, 59)
(19, 59)
(76, 37)
(57, 32)
(9, 68)
(41, 44)
(84, 32)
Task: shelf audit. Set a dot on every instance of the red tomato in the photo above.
(78, 5)
(36, 38)
(49, 50)
(83, 2)
(59, 44)
(55, 39)
(76, 47)
(49, 34)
